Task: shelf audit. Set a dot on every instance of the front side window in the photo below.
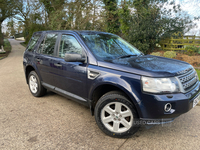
(47, 46)
(69, 44)
(109, 47)
(33, 42)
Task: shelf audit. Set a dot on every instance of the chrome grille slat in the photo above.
(188, 80)
(189, 83)
(187, 77)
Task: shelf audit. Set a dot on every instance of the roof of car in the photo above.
(91, 32)
(83, 32)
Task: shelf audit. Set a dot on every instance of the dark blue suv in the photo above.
(123, 87)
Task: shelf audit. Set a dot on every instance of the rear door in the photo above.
(44, 57)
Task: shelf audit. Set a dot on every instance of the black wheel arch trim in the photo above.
(132, 96)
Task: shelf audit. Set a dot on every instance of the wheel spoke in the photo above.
(125, 123)
(109, 110)
(32, 79)
(118, 107)
(107, 119)
(36, 85)
(126, 113)
(31, 82)
(116, 126)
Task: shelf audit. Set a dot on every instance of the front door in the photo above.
(71, 76)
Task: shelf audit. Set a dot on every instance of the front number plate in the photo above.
(196, 101)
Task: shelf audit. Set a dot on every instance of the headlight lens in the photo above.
(160, 85)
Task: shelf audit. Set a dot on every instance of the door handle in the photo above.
(57, 64)
(38, 60)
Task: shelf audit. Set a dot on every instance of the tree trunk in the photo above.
(1, 35)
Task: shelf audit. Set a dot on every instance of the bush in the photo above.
(7, 46)
(170, 54)
(156, 54)
(191, 50)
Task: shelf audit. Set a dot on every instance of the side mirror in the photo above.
(73, 57)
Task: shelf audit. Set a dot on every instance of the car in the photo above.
(123, 88)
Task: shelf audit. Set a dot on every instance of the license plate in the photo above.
(196, 101)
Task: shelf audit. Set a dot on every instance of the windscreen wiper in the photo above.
(125, 56)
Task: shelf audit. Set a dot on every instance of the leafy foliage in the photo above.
(112, 19)
(170, 54)
(150, 21)
(141, 22)
(7, 9)
(156, 54)
(191, 50)
(11, 28)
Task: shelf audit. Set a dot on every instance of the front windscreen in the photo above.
(109, 47)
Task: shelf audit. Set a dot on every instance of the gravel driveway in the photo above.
(54, 122)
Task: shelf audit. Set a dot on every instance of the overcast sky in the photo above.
(192, 7)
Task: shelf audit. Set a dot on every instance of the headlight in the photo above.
(160, 85)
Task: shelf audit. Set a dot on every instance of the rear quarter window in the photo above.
(33, 42)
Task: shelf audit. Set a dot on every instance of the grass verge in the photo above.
(198, 72)
(24, 44)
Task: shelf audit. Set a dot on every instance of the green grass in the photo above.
(7, 46)
(198, 72)
(24, 44)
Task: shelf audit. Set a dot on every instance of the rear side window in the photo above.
(48, 44)
(33, 42)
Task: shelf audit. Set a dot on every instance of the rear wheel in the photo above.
(35, 85)
(115, 115)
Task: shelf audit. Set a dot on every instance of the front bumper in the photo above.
(152, 106)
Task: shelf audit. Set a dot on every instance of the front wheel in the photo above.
(115, 115)
(35, 85)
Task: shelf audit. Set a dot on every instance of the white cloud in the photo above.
(192, 7)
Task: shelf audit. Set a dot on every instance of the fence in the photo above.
(179, 43)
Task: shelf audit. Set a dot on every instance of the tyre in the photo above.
(115, 115)
(35, 85)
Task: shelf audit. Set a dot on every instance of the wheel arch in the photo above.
(28, 69)
(104, 88)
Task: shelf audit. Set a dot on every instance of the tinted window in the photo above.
(69, 44)
(48, 44)
(33, 42)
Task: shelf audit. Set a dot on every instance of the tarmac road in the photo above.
(54, 122)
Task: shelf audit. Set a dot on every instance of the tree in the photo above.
(20, 27)
(151, 21)
(11, 27)
(7, 10)
(29, 17)
(51, 6)
(112, 18)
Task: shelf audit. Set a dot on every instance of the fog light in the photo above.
(168, 107)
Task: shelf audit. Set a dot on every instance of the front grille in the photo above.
(188, 80)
